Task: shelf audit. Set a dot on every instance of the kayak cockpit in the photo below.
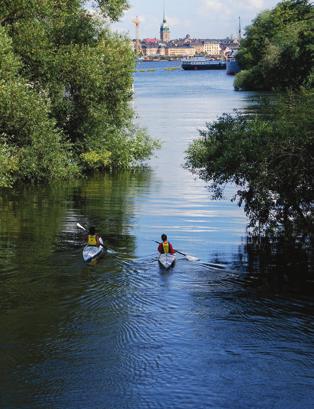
(167, 260)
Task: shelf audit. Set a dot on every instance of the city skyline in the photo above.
(203, 18)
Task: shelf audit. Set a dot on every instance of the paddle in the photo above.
(80, 226)
(187, 256)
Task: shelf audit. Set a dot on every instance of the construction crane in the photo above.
(137, 23)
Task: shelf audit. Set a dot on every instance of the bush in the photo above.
(9, 165)
(93, 160)
(26, 127)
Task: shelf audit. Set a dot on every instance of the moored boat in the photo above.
(167, 260)
(202, 63)
(232, 66)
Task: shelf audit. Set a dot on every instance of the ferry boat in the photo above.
(202, 63)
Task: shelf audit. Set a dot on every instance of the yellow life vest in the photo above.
(92, 240)
(165, 246)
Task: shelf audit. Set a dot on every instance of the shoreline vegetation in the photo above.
(65, 92)
(268, 154)
(162, 69)
(276, 52)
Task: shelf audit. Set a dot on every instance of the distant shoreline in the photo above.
(167, 59)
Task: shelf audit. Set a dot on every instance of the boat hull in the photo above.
(233, 67)
(167, 260)
(93, 253)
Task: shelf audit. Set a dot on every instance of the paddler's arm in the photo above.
(98, 241)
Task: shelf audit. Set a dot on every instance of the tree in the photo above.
(12, 11)
(277, 51)
(31, 145)
(269, 157)
(67, 64)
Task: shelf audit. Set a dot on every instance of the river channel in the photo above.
(123, 334)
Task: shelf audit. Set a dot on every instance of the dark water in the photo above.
(123, 334)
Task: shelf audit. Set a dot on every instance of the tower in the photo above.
(164, 29)
(137, 23)
(240, 30)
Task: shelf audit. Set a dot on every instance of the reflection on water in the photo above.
(123, 333)
(280, 265)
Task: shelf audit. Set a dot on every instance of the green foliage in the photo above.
(97, 88)
(65, 88)
(120, 148)
(40, 150)
(16, 10)
(129, 146)
(247, 79)
(112, 8)
(9, 164)
(25, 126)
(96, 160)
(278, 50)
(269, 158)
(9, 63)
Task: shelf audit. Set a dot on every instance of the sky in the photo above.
(199, 18)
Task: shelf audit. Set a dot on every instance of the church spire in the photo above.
(164, 28)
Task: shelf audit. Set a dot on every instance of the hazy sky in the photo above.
(199, 18)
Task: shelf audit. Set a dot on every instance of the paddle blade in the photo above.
(191, 258)
(80, 226)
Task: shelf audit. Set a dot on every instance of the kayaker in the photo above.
(165, 247)
(92, 238)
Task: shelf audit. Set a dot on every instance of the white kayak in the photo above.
(167, 260)
(91, 253)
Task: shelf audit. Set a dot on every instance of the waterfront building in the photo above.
(198, 46)
(180, 51)
(216, 49)
(162, 50)
(150, 50)
(212, 48)
(207, 47)
(150, 40)
(185, 47)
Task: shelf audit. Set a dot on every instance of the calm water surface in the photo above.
(122, 334)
